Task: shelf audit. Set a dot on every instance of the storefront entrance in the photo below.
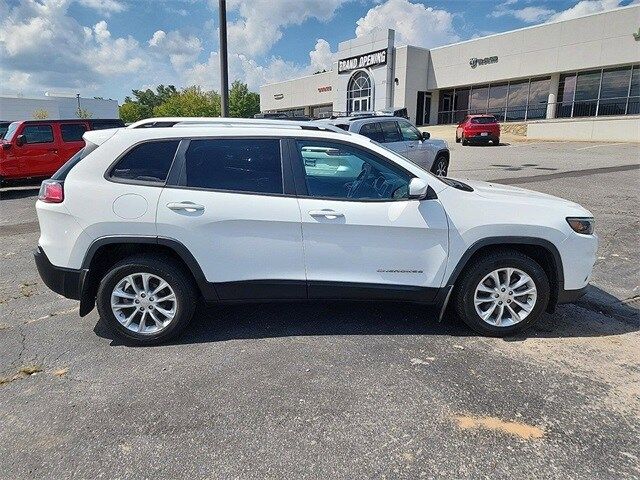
(359, 92)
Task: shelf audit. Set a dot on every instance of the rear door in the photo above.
(38, 156)
(363, 238)
(393, 138)
(229, 206)
(71, 139)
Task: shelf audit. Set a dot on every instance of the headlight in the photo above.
(582, 225)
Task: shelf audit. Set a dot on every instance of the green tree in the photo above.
(190, 102)
(242, 102)
(40, 114)
(147, 99)
(131, 111)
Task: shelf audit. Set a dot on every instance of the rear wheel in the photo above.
(502, 293)
(146, 299)
(464, 140)
(457, 138)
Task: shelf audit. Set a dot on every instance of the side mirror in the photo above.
(426, 135)
(417, 188)
(20, 140)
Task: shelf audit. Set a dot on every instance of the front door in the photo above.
(38, 156)
(360, 104)
(229, 208)
(363, 237)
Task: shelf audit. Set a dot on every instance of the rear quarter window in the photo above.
(72, 132)
(147, 162)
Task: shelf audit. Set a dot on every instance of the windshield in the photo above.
(11, 130)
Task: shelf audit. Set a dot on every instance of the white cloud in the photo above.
(321, 56)
(414, 23)
(83, 57)
(261, 21)
(586, 7)
(180, 49)
(537, 14)
(105, 7)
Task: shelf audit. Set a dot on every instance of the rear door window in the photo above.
(146, 162)
(72, 132)
(373, 131)
(391, 132)
(237, 165)
(38, 134)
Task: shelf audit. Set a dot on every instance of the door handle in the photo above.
(330, 214)
(186, 206)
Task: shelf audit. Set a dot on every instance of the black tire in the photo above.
(167, 269)
(457, 139)
(495, 142)
(440, 161)
(465, 141)
(464, 291)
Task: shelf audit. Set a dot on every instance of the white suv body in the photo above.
(253, 211)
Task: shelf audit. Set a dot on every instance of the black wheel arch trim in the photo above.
(515, 240)
(87, 297)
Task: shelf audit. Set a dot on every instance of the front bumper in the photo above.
(67, 282)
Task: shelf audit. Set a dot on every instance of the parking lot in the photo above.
(338, 390)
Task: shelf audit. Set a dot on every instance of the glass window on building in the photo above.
(461, 104)
(478, 101)
(633, 105)
(612, 91)
(517, 100)
(445, 107)
(585, 100)
(566, 92)
(498, 100)
(538, 98)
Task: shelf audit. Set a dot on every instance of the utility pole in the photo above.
(224, 70)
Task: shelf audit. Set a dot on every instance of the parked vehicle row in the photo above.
(37, 148)
(144, 221)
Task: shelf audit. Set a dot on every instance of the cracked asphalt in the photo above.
(338, 390)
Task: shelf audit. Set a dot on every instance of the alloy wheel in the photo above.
(143, 303)
(441, 168)
(505, 296)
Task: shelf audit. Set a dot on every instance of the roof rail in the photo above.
(165, 122)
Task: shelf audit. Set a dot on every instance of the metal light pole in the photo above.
(224, 70)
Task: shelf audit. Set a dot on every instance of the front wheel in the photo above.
(502, 293)
(147, 299)
(440, 166)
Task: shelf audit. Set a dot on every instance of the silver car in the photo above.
(401, 136)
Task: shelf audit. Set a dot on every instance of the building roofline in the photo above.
(535, 26)
(297, 78)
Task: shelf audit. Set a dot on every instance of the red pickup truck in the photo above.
(37, 148)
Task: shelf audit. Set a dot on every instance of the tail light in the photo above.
(51, 191)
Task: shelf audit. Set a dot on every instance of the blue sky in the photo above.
(108, 47)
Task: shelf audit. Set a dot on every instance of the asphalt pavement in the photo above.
(338, 390)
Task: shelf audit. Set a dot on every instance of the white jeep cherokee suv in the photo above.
(146, 220)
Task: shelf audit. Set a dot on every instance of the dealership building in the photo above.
(575, 79)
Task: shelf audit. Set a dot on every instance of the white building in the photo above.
(55, 108)
(577, 79)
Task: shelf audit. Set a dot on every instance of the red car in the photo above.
(478, 128)
(37, 148)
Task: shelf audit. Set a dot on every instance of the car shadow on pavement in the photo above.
(216, 323)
